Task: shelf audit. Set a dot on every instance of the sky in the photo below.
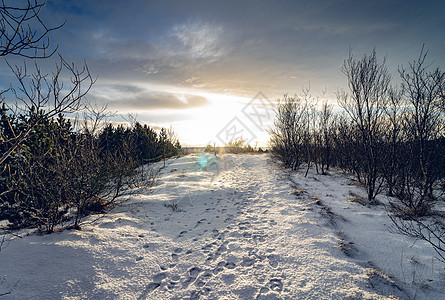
(212, 70)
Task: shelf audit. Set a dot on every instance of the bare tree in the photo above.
(368, 82)
(288, 133)
(325, 135)
(423, 90)
(309, 125)
(394, 164)
(40, 92)
(22, 31)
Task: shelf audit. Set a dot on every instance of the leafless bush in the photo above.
(22, 31)
(430, 229)
(369, 86)
(393, 163)
(290, 130)
(323, 137)
(423, 89)
(235, 146)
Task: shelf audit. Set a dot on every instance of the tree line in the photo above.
(391, 137)
(61, 173)
(55, 170)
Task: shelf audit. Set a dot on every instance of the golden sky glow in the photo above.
(195, 65)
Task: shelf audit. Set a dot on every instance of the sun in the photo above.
(202, 124)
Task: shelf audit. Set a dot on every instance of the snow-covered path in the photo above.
(240, 230)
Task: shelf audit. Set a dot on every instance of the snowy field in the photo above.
(234, 227)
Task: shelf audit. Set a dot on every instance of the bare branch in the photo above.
(41, 93)
(17, 37)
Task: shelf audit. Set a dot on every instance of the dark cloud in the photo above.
(134, 98)
(242, 47)
(167, 101)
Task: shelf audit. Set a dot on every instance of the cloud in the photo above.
(169, 101)
(240, 48)
(199, 39)
(132, 97)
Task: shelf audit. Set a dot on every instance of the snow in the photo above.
(411, 263)
(231, 227)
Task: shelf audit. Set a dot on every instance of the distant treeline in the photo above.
(390, 137)
(63, 171)
(235, 146)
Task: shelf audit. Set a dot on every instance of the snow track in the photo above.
(238, 229)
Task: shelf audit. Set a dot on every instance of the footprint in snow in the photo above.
(176, 253)
(173, 282)
(201, 281)
(108, 225)
(228, 278)
(207, 247)
(244, 223)
(149, 288)
(276, 285)
(149, 246)
(259, 238)
(195, 295)
(192, 273)
(273, 260)
(230, 265)
(182, 233)
(159, 277)
(219, 267)
(222, 248)
(207, 274)
(200, 222)
(175, 278)
(172, 285)
(247, 262)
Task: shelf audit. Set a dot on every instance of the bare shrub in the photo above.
(430, 229)
(236, 146)
(369, 86)
(22, 31)
(290, 131)
(422, 89)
